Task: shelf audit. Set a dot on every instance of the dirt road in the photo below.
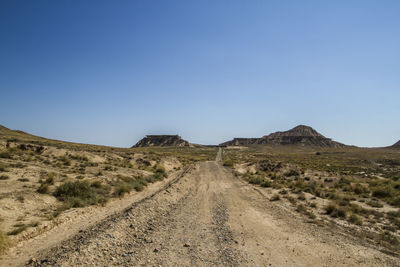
(210, 218)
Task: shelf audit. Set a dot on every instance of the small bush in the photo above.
(360, 189)
(301, 208)
(354, 219)
(5, 154)
(291, 173)
(81, 193)
(383, 192)
(292, 200)
(19, 228)
(4, 177)
(3, 168)
(375, 204)
(160, 169)
(301, 196)
(122, 189)
(389, 238)
(228, 162)
(334, 211)
(65, 160)
(283, 191)
(96, 184)
(4, 242)
(266, 183)
(43, 189)
(23, 179)
(49, 181)
(275, 197)
(255, 180)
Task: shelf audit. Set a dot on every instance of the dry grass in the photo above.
(344, 177)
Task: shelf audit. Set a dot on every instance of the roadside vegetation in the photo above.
(358, 188)
(56, 176)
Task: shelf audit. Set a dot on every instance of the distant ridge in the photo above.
(299, 135)
(162, 140)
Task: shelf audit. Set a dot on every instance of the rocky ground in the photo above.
(208, 217)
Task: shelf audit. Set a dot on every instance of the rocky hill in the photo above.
(397, 145)
(300, 135)
(162, 140)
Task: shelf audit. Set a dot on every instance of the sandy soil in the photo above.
(206, 217)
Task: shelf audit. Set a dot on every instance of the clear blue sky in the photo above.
(109, 72)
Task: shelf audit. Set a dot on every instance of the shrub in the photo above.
(334, 211)
(96, 184)
(360, 189)
(5, 154)
(4, 177)
(292, 200)
(275, 197)
(19, 228)
(160, 169)
(122, 189)
(395, 201)
(301, 196)
(4, 242)
(66, 161)
(354, 219)
(389, 238)
(81, 193)
(43, 189)
(383, 192)
(283, 192)
(266, 183)
(3, 168)
(23, 179)
(228, 162)
(301, 208)
(291, 173)
(255, 179)
(375, 204)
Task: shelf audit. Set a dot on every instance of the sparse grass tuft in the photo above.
(4, 177)
(19, 228)
(334, 211)
(275, 197)
(5, 154)
(43, 189)
(354, 219)
(4, 242)
(375, 204)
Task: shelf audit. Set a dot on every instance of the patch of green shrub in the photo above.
(253, 179)
(228, 162)
(81, 193)
(122, 189)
